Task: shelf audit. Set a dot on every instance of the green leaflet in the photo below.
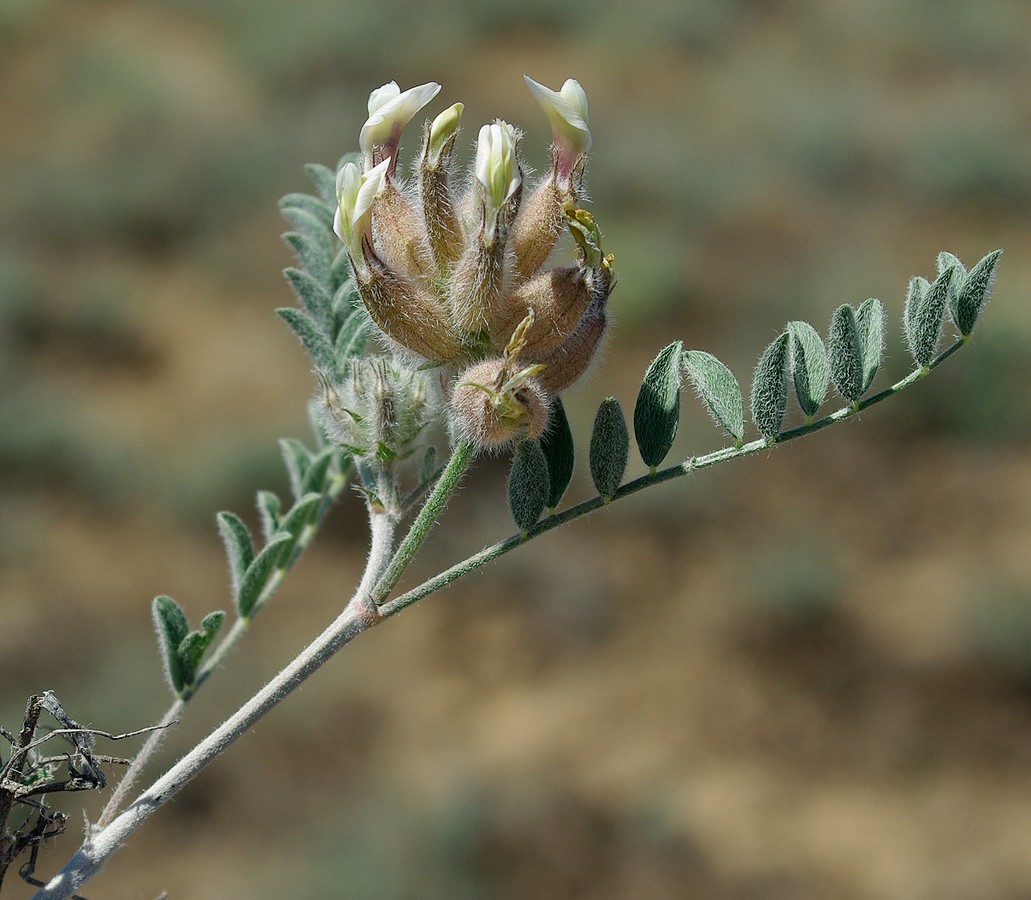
(810, 368)
(172, 628)
(325, 181)
(769, 400)
(313, 206)
(610, 447)
(557, 445)
(657, 413)
(296, 458)
(924, 314)
(311, 336)
(870, 325)
(528, 485)
(845, 347)
(719, 389)
(268, 508)
(313, 296)
(257, 574)
(314, 255)
(970, 297)
(238, 544)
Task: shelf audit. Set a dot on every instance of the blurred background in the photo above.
(803, 675)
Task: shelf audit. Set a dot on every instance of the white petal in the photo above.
(566, 111)
(382, 96)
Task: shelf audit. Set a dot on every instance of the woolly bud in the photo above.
(380, 410)
(536, 229)
(407, 312)
(400, 232)
(559, 297)
(492, 407)
(439, 209)
(565, 365)
(474, 293)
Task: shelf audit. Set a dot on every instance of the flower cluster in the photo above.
(452, 269)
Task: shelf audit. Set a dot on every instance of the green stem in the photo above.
(488, 554)
(426, 519)
(140, 761)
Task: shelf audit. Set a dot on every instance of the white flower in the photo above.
(356, 194)
(567, 112)
(390, 110)
(497, 170)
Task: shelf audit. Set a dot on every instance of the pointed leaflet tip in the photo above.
(657, 413)
(770, 388)
(973, 292)
(716, 385)
(810, 368)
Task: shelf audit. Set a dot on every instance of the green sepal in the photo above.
(810, 368)
(239, 546)
(923, 317)
(528, 484)
(313, 206)
(716, 385)
(269, 507)
(610, 447)
(325, 181)
(257, 574)
(313, 296)
(870, 325)
(657, 412)
(172, 627)
(311, 336)
(844, 346)
(314, 255)
(972, 293)
(557, 446)
(769, 399)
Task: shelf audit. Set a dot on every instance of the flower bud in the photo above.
(567, 112)
(401, 235)
(536, 229)
(565, 365)
(390, 110)
(558, 297)
(441, 135)
(497, 172)
(491, 407)
(380, 410)
(439, 209)
(406, 311)
(356, 194)
(475, 289)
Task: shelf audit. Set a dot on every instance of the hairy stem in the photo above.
(492, 552)
(154, 740)
(368, 606)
